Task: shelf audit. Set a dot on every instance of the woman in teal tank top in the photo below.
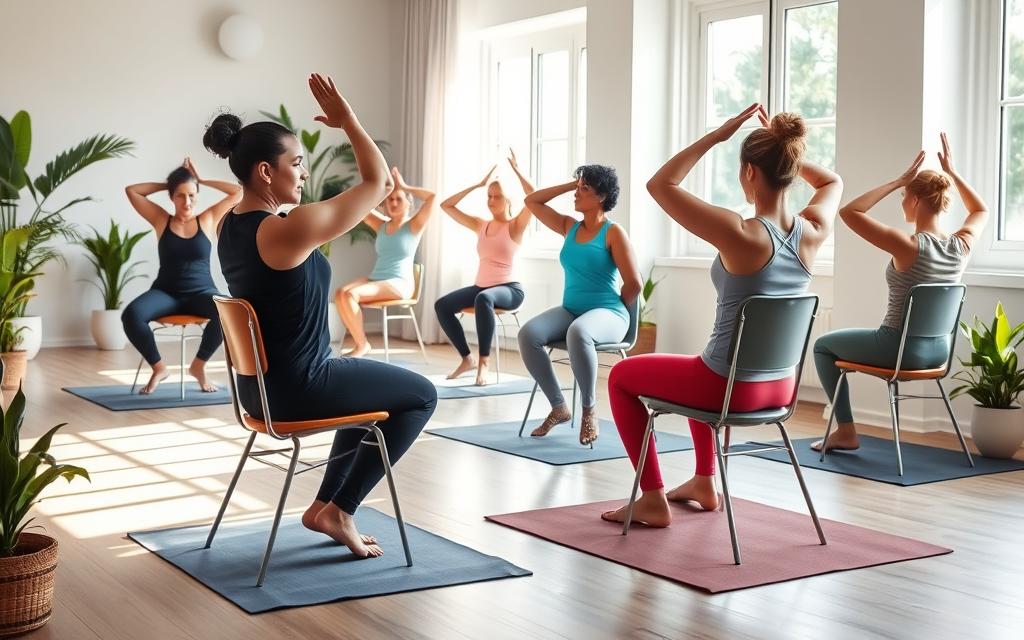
(593, 310)
(398, 235)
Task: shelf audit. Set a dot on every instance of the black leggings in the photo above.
(345, 386)
(484, 301)
(156, 303)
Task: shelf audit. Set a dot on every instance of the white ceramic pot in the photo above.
(334, 324)
(32, 336)
(997, 433)
(107, 331)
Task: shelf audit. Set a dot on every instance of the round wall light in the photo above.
(240, 37)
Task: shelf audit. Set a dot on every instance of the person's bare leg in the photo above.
(699, 489)
(352, 317)
(371, 291)
(844, 438)
(481, 371)
(341, 527)
(198, 371)
(650, 509)
(309, 521)
(466, 364)
(160, 373)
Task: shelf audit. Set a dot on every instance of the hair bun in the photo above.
(787, 126)
(221, 136)
(932, 188)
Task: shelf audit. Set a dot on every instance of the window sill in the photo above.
(994, 278)
(824, 269)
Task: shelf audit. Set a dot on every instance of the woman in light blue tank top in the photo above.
(925, 256)
(593, 311)
(767, 254)
(398, 235)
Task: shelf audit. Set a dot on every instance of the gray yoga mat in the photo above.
(308, 568)
(464, 387)
(118, 397)
(876, 460)
(561, 446)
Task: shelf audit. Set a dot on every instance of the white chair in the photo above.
(499, 315)
(405, 305)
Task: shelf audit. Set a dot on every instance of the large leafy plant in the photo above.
(323, 182)
(109, 257)
(45, 223)
(15, 286)
(993, 375)
(650, 284)
(21, 480)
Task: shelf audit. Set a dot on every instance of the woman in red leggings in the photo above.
(767, 254)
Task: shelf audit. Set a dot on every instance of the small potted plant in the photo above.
(647, 331)
(994, 378)
(28, 561)
(109, 257)
(15, 288)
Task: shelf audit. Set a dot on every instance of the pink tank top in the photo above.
(497, 254)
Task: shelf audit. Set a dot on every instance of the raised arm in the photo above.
(821, 211)
(151, 211)
(720, 226)
(451, 205)
(625, 260)
(521, 221)
(977, 211)
(896, 242)
(212, 215)
(427, 198)
(288, 241)
(537, 201)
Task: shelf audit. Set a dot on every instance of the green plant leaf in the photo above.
(310, 140)
(21, 128)
(73, 160)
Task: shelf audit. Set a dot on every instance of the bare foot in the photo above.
(844, 438)
(481, 373)
(198, 371)
(341, 527)
(467, 364)
(309, 521)
(699, 489)
(359, 350)
(557, 416)
(160, 372)
(651, 509)
(588, 427)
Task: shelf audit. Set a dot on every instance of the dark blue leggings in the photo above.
(156, 303)
(484, 301)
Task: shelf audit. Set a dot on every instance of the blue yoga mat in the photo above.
(465, 388)
(118, 397)
(876, 460)
(560, 446)
(309, 568)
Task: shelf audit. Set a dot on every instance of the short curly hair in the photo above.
(178, 177)
(603, 180)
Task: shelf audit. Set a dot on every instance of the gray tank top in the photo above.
(938, 261)
(784, 274)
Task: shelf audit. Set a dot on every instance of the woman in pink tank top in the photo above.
(498, 240)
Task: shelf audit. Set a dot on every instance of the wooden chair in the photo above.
(168, 323)
(405, 305)
(245, 355)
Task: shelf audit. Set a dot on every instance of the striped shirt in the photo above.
(937, 261)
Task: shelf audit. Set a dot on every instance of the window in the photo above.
(782, 54)
(538, 96)
(1009, 225)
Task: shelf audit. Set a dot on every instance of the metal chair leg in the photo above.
(419, 338)
(831, 416)
(387, 351)
(956, 425)
(572, 409)
(280, 510)
(497, 349)
(182, 361)
(529, 405)
(639, 472)
(231, 489)
(386, 459)
(728, 500)
(138, 369)
(894, 412)
(800, 479)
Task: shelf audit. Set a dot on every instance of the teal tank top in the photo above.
(591, 277)
(395, 253)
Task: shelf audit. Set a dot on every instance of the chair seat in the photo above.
(497, 311)
(880, 372)
(380, 304)
(735, 419)
(300, 426)
(607, 346)
(182, 320)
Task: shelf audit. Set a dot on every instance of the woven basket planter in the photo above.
(26, 584)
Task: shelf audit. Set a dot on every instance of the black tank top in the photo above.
(184, 263)
(291, 305)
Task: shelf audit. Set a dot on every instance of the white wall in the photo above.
(153, 72)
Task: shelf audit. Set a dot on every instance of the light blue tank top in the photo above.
(591, 277)
(785, 274)
(395, 253)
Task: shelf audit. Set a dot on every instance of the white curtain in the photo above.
(428, 71)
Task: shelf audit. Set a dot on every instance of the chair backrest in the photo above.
(933, 310)
(772, 332)
(417, 278)
(634, 323)
(243, 339)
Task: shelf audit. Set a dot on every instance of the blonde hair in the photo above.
(778, 149)
(932, 188)
(508, 201)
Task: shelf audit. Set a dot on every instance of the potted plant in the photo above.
(47, 223)
(14, 292)
(647, 331)
(109, 257)
(28, 561)
(994, 378)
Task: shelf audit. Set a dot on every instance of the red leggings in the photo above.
(688, 381)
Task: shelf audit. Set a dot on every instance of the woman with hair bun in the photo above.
(183, 284)
(273, 263)
(768, 254)
(925, 256)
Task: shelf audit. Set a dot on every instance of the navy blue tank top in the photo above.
(184, 263)
(291, 305)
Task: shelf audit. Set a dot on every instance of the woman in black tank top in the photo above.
(183, 284)
(273, 263)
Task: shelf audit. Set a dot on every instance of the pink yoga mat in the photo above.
(777, 545)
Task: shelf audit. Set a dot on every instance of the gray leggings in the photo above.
(581, 334)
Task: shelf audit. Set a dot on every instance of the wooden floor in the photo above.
(166, 468)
